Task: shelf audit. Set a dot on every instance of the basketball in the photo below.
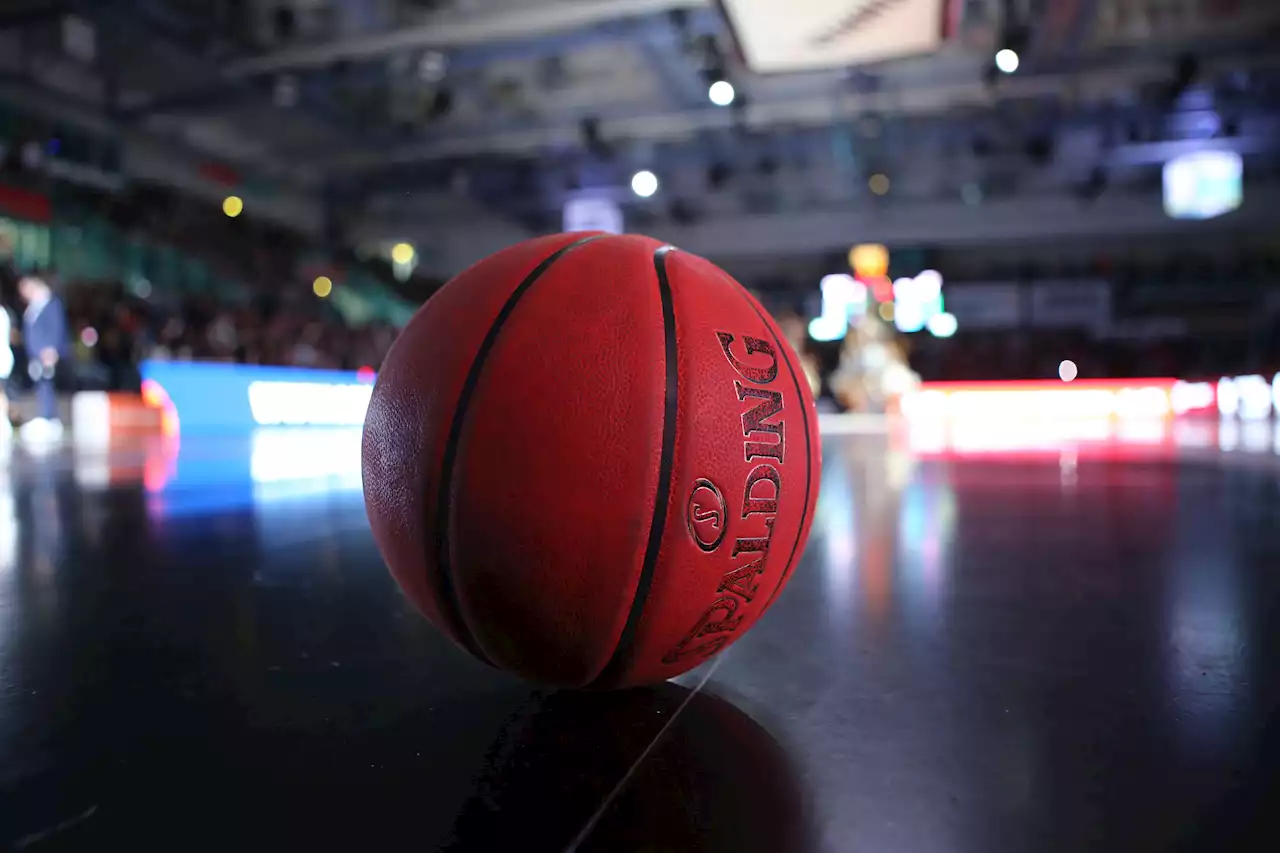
(591, 460)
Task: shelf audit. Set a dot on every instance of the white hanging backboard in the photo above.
(778, 36)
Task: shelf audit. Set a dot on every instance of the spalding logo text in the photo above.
(762, 440)
(706, 515)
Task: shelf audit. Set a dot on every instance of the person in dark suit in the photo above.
(6, 365)
(8, 271)
(44, 335)
(8, 334)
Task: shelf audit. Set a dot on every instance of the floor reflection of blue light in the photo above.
(837, 514)
(926, 521)
(8, 524)
(1206, 647)
(266, 466)
(181, 503)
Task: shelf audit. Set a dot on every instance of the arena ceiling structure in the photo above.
(425, 118)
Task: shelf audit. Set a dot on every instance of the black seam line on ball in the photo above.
(808, 454)
(662, 500)
(444, 569)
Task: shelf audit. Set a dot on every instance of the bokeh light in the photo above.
(928, 285)
(233, 206)
(402, 253)
(1007, 60)
(843, 296)
(943, 325)
(644, 183)
(721, 93)
(869, 260)
(322, 286)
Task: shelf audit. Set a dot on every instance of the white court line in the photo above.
(595, 818)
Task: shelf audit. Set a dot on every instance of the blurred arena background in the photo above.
(921, 190)
(1028, 251)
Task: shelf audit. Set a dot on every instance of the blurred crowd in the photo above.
(275, 319)
(116, 328)
(112, 328)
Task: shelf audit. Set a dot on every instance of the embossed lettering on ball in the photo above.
(592, 460)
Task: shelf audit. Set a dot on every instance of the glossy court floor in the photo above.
(981, 652)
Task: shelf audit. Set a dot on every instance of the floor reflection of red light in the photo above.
(1050, 385)
(155, 397)
(877, 573)
(1115, 438)
(1109, 438)
(161, 463)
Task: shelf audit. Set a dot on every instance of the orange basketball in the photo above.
(591, 460)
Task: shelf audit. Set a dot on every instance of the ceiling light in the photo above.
(644, 183)
(721, 93)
